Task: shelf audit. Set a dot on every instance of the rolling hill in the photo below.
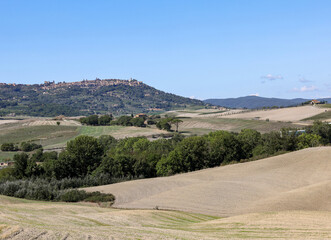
(88, 97)
(283, 197)
(299, 180)
(252, 102)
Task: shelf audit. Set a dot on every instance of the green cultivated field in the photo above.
(6, 155)
(321, 116)
(45, 134)
(325, 105)
(97, 131)
(51, 136)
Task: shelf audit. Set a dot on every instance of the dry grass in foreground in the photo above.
(285, 197)
(22, 219)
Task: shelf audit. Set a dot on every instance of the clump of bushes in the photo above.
(45, 190)
(25, 147)
(28, 147)
(75, 195)
(9, 147)
(96, 120)
(129, 121)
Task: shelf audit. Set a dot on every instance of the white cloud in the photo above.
(304, 80)
(306, 89)
(271, 77)
(192, 97)
(254, 94)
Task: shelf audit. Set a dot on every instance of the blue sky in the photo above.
(205, 49)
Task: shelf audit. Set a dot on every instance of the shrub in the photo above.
(99, 197)
(307, 140)
(28, 147)
(73, 196)
(6, 147)
(58, 190)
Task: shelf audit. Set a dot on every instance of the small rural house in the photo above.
(143, 115)
(314, 102)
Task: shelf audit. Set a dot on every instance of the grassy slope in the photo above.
(325, 105)
(56, 136)
(321, 116)
(6, 155)
(47, 134)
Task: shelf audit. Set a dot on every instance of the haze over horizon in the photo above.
(201, 49)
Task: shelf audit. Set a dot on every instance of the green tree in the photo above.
(322, 129)
(138, 122)
(306, 140)
(164, 124)
(105, 120)
(176, 122)
(124, 121)
(224, 147)
(28, 147)
(21, 163)
(171, 164)
(272, 142)
(289, 139)
(107, 142)
(93, 120)
(65, 166)
(86, 152)
(32, 169)
(249, 139)
(191, 154)
(8, 147)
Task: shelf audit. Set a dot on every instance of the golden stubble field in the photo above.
(287, 196)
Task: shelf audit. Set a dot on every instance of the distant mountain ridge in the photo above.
(252, 102)
(86, 97)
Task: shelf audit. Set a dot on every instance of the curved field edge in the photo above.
(298, 180)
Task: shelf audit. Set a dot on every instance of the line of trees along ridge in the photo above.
(137, 157)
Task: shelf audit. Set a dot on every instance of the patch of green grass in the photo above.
(45, 134)
(321, 116)
(97, 131)
(6, 155)
(325, 105)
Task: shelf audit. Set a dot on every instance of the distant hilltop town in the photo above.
(85, 83)
(87, 97)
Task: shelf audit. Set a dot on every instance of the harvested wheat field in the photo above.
(50, 122)
(293, 114)
(286, 197)
(8, 121)
(23, 219)
(299, 180)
